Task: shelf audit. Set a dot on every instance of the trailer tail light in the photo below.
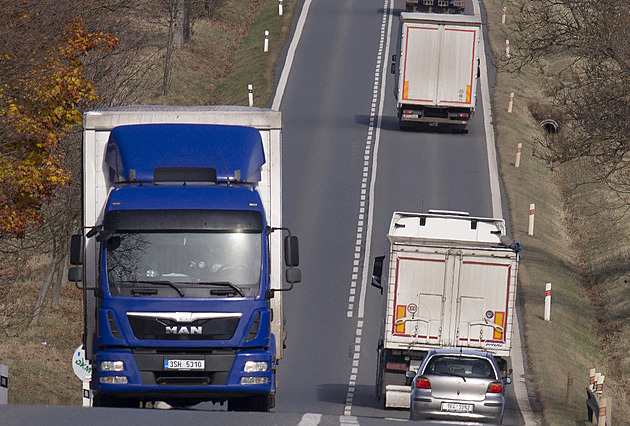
(408, 111)
(495, 387)
(396, 366)
(422, 382)
(462, 115)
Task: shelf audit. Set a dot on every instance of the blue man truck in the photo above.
(182, 255)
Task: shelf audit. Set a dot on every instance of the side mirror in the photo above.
(293, 275)
(507, 381)
(377, 272)
(76, 250)
(291, 251)
(75, 274)
(410, 374)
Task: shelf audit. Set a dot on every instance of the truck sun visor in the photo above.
(183, 220)
(134, 153)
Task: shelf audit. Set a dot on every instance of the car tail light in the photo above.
(495, 387)
(423, 383)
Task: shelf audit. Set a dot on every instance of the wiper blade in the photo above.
(162, 282)
(224, 284)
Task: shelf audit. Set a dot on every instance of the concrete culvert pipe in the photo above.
(550, 126)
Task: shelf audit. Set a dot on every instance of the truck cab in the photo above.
(181, 306)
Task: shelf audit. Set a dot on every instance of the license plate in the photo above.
(184, 364)
(410, 116)
(457, 408)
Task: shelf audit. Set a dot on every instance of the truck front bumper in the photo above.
(144, 375)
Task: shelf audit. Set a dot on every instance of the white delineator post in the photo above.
(504, 13)
(591, 382)
(532, 208)
(266, 48)
(280, 7)
(4, 384)
(511, 102)
(517, 163)
(250, 94)
(507, 48)
(548, 302)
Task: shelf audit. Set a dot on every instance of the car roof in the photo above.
(459, 351)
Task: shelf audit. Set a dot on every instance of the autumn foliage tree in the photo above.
(43, 88)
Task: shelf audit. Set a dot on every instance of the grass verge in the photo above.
(568, 345)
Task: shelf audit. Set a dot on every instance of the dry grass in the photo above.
(570, 344)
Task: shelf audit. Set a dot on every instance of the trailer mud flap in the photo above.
(397, 396)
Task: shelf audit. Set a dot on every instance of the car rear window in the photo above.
(461, 366)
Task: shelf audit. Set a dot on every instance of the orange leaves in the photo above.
(36, 112)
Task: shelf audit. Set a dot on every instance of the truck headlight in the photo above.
(112, 366)
(114, 380)
(256, 366)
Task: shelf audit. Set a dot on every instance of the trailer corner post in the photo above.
(4, 384)
(548, 302)
(532, 208)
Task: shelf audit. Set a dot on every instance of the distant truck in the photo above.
(438, 68)
(435, 6)
(181, 255)
(450, 282)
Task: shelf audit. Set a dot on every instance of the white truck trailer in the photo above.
(438, 68)
(450, 281)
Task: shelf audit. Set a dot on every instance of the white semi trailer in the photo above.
(450, 282)
(438, 68)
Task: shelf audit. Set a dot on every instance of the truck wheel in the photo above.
(251, 403)
(112, 401)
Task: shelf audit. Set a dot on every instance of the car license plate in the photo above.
(184, 364)
(410, 116)
(457, 408)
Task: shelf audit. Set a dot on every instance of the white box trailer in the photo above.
(97, 125)
(438, 68)
(451, 283)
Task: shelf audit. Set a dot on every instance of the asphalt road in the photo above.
(328, 140)
(338, 114)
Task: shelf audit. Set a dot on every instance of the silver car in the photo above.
(458, 384)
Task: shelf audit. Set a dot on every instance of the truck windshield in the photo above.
(192, 264)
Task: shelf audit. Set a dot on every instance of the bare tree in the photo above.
(588, 43)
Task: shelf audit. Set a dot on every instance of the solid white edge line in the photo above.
(520, 389)
(286, 69)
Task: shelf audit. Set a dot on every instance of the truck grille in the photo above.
(146, 328)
